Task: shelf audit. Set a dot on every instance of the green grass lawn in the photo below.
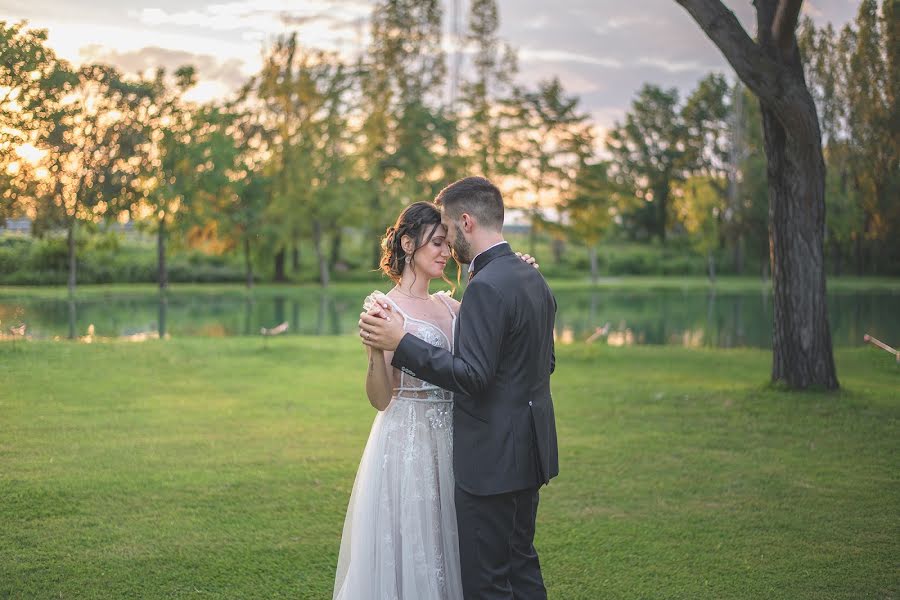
(220, 468)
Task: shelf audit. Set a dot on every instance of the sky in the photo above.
(602, 50)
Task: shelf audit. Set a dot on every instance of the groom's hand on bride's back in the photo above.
(529, 259)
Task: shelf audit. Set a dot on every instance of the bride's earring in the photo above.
(407, 259)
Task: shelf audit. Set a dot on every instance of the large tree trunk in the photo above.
(324, 275)
(772, 69)
(279, 265)
(70, 239)
(162, 273)
(801, 341)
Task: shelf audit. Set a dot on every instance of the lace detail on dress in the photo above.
(412, 388)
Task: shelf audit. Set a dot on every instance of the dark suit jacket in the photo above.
(504, 428)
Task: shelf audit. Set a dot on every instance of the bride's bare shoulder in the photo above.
(452, 302)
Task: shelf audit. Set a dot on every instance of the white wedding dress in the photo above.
(399, 540)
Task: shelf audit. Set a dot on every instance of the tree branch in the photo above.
(785, 23)
(772, 82)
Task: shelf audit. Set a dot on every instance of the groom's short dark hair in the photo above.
(476, 196)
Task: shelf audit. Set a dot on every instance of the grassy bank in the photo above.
(107, 257)
(221, 468)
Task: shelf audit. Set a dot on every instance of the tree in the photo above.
(851, 81)
(283, 87)
(826, 75)
(699, 206)
(331, 166)
(772, 68)
(716, 203)
(483, 98)
(590, 209)
(712, 132)
(238, 197)
(172, 160)
(402, 147)
(33, 82)
(90, 173)
(750, 222)
(555, 139)
(648, 151)
(705, 117)
(306, 96)
(872, 120)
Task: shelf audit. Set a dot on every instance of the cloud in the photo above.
(263, 15)
(333, 25)
(69, 38)
(677, 66)
(228, 73)
(537, 22)
(531, 54)
(627, 22)
(603, 50)
(810, 9)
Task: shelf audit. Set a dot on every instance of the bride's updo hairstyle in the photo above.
(420, 221)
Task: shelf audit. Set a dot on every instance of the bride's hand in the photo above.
(379, 309)
(528, 259)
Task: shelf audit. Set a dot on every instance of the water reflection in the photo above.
(163, 313)
(72, 313)
(616, 318)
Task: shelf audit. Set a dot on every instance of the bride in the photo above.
(399, 540)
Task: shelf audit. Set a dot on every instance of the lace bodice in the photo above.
(412, 388)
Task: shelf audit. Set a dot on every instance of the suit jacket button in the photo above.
(529, 403)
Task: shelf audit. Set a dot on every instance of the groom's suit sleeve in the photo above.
(553, 345)
(482, 322)
(552, 356)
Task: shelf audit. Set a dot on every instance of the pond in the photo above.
(615, 317)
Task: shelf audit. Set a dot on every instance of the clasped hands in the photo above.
(381, 328)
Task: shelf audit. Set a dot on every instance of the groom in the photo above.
(504, 442)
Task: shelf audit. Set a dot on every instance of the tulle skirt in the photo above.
(400, 540)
